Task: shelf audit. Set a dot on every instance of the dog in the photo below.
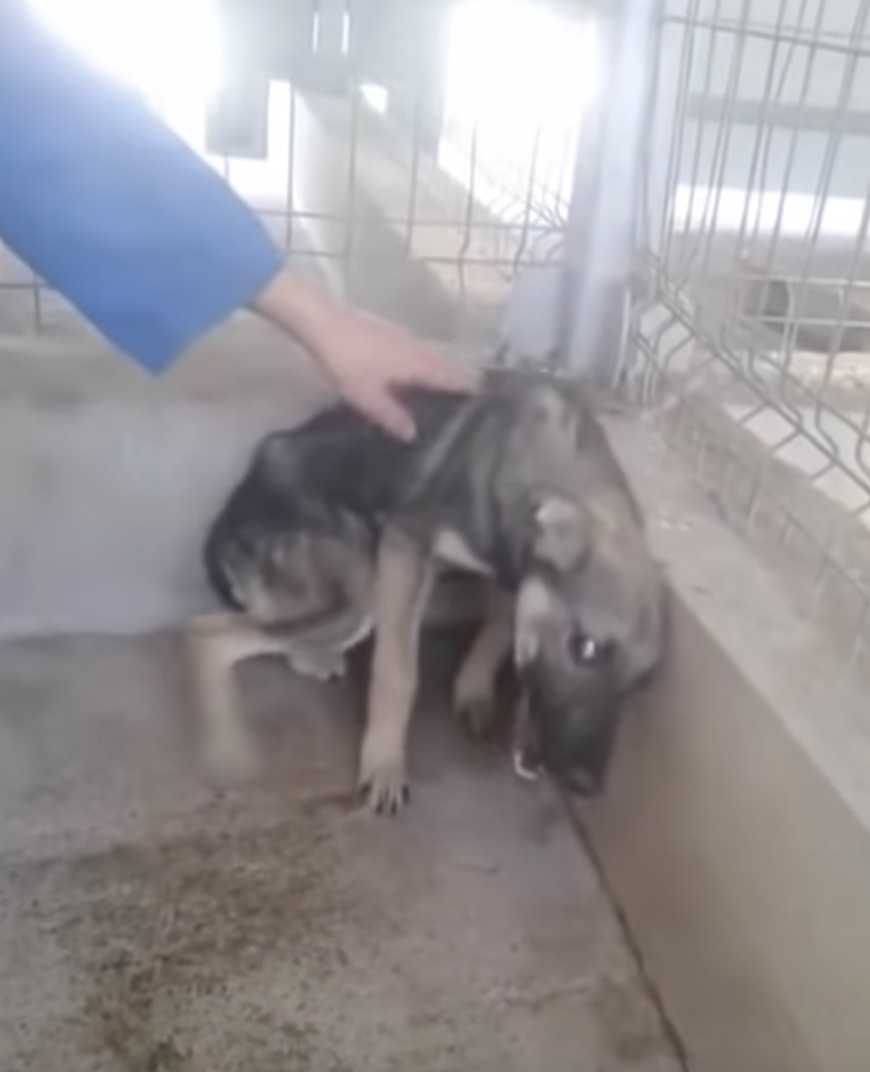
(337, 530)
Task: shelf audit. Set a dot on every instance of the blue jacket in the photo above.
(104, 202)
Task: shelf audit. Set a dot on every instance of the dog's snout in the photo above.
(582, 782)
(578, 753)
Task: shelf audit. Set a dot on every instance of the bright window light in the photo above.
(518, 73)
(511, 64)
(345, 33)
(841, 216)
(376, 97)
(169, 50)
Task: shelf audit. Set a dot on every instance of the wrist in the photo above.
(304, 310)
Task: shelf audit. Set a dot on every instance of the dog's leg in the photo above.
(402, 584)
(474, 689)
(216, 643)
(331, 611)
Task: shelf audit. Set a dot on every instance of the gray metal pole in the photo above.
(600, 232)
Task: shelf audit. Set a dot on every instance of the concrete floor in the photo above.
(148, 924)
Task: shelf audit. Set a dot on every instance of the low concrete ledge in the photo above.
(735, 829)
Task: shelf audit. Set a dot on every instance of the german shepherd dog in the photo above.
(337, 530)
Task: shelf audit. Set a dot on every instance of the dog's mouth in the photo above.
(530, 761)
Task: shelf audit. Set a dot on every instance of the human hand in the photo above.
(365, 357)
(368, 358)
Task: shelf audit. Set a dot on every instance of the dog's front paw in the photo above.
(478, 716)
(382, 776)
(477, 713)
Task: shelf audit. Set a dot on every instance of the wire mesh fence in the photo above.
(425, 192)
(750, 318)
(398, 186)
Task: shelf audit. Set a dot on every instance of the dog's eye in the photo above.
(584, 650)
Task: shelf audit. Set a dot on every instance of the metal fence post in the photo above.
(599, 236)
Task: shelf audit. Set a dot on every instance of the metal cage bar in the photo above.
(468, 218)
(751, 322)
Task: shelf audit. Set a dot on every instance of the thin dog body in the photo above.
(337, 530)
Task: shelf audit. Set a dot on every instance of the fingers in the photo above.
(384, 409)
(368, 358)
(441, 374)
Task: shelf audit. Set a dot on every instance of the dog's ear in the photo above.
(561, 533)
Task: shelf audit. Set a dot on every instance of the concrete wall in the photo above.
(736, 827)
(109, 477)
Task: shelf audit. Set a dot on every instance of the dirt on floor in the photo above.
(281, 927)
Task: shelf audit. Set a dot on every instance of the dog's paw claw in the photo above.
(383, 783)
(385, 800)
(386, 793)
(478, 715)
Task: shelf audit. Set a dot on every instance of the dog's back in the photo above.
(315, 477)
(517, 483)
(338, 466)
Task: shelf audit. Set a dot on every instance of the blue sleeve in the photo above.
(104, 202)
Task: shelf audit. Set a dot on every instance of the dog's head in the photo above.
(589, 629)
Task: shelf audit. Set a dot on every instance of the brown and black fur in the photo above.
(336, 529)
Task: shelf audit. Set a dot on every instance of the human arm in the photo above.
(103, 201)
(364, 356)
(111, 208)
